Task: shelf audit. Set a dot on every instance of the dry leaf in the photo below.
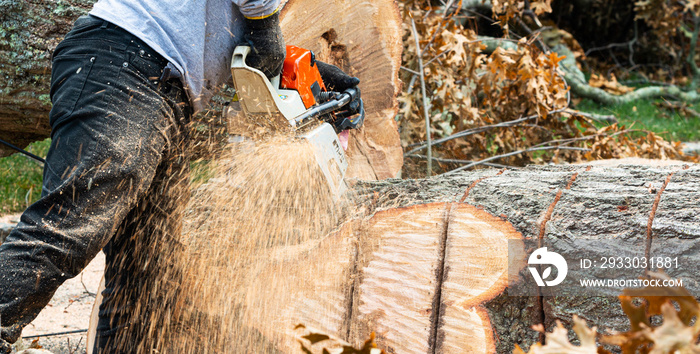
(557, 341)
(611, 86)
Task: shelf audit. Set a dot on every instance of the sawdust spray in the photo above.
(264, 199)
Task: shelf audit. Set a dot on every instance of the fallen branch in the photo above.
(438, 159)
(426, 111)
(584, 138)
(512, 153)
(493, 43)
(579, 86)
(596, 117)
(582, 89)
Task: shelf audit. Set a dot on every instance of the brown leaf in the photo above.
(541, 6)
(314, 338)
(558, 340)
(611, 85)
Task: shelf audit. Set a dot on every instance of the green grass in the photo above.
(20, 179)
(200, 172)
(645, 115)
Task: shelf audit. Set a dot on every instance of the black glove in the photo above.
(334, 78)
(353, 114)
(267, 46)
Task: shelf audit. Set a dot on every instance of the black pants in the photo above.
(116, 178)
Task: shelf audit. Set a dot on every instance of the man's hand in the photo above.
(268, 50)
(334, 78)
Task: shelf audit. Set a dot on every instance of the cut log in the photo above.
(423, 263)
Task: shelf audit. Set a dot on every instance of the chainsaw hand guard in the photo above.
(352, 116)
(343, 110)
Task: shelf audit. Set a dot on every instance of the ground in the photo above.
(68, 311)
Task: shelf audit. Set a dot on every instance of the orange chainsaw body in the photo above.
(300, 73)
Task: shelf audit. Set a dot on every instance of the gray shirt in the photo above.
(196, 36)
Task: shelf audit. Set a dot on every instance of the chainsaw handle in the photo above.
(238, 61)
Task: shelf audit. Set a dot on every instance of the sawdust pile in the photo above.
(264, 199)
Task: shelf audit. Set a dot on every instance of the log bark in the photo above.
(423, 263)
(30, 32)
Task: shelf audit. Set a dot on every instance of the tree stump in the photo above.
(423, 263)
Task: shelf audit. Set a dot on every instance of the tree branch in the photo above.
(576, 80)
(611, 119)
(512, 153)
(426, 111)
(467, 132)
(691, 54)
(437, 159)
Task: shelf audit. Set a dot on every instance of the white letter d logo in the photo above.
(541, 256)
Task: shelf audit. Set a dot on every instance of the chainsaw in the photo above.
(297, 101)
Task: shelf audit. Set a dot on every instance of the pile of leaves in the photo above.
(503, 99)
(678, 331)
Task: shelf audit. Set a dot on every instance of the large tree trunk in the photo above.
(362, 38)
(424, 262)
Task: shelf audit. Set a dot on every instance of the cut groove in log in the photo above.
(379, 272)
(400, 255)
(475, 261)
(654, 207)
(466, 193)
(550, 210)
(398, 259)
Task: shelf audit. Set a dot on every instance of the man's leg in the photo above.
(113, 132)
(144, 263)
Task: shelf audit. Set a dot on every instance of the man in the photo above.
(124, 85)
